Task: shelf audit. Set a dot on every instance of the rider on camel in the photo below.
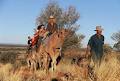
(36, 37)
(52, 26)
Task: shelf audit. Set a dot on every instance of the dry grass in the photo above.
(108, 71)
(6, 74)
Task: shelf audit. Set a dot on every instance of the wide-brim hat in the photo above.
(98, 28)
(51, 17)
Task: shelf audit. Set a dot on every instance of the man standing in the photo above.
(95, 46)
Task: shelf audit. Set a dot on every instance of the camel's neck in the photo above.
(55, 40)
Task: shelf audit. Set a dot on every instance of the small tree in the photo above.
(116, 37)
(117, 46)
(107, 48)
(73, 41)
(65, 19)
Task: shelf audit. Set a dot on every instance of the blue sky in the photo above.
(18, 18)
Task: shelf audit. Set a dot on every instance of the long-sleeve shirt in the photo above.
(52, 28)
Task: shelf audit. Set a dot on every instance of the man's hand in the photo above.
(88, 51)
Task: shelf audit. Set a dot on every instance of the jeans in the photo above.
(96, 57)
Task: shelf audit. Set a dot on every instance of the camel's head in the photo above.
(62, 33)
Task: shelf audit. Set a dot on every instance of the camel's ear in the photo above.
(58, 35)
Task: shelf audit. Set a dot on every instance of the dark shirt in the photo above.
(52, 28)
(29, 41)
(96, 44)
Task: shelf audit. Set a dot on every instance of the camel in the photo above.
(35, 60)
(43, 59)
(31, 61)
(53, 46)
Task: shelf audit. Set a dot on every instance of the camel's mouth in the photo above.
(57, 48)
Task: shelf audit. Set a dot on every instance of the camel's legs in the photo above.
(33, 66)
(28, 63)
(54, 58)
(53, 64)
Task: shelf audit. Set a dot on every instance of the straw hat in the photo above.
(51, 17)
(98, 28)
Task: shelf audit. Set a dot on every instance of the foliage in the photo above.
(116, 37)
(64, 19)
(73, 41)
(8, 57)
(107, 48)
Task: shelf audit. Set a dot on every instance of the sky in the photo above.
(18, 18)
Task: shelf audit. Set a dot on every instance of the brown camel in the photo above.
(31, 61)
(53, 46)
